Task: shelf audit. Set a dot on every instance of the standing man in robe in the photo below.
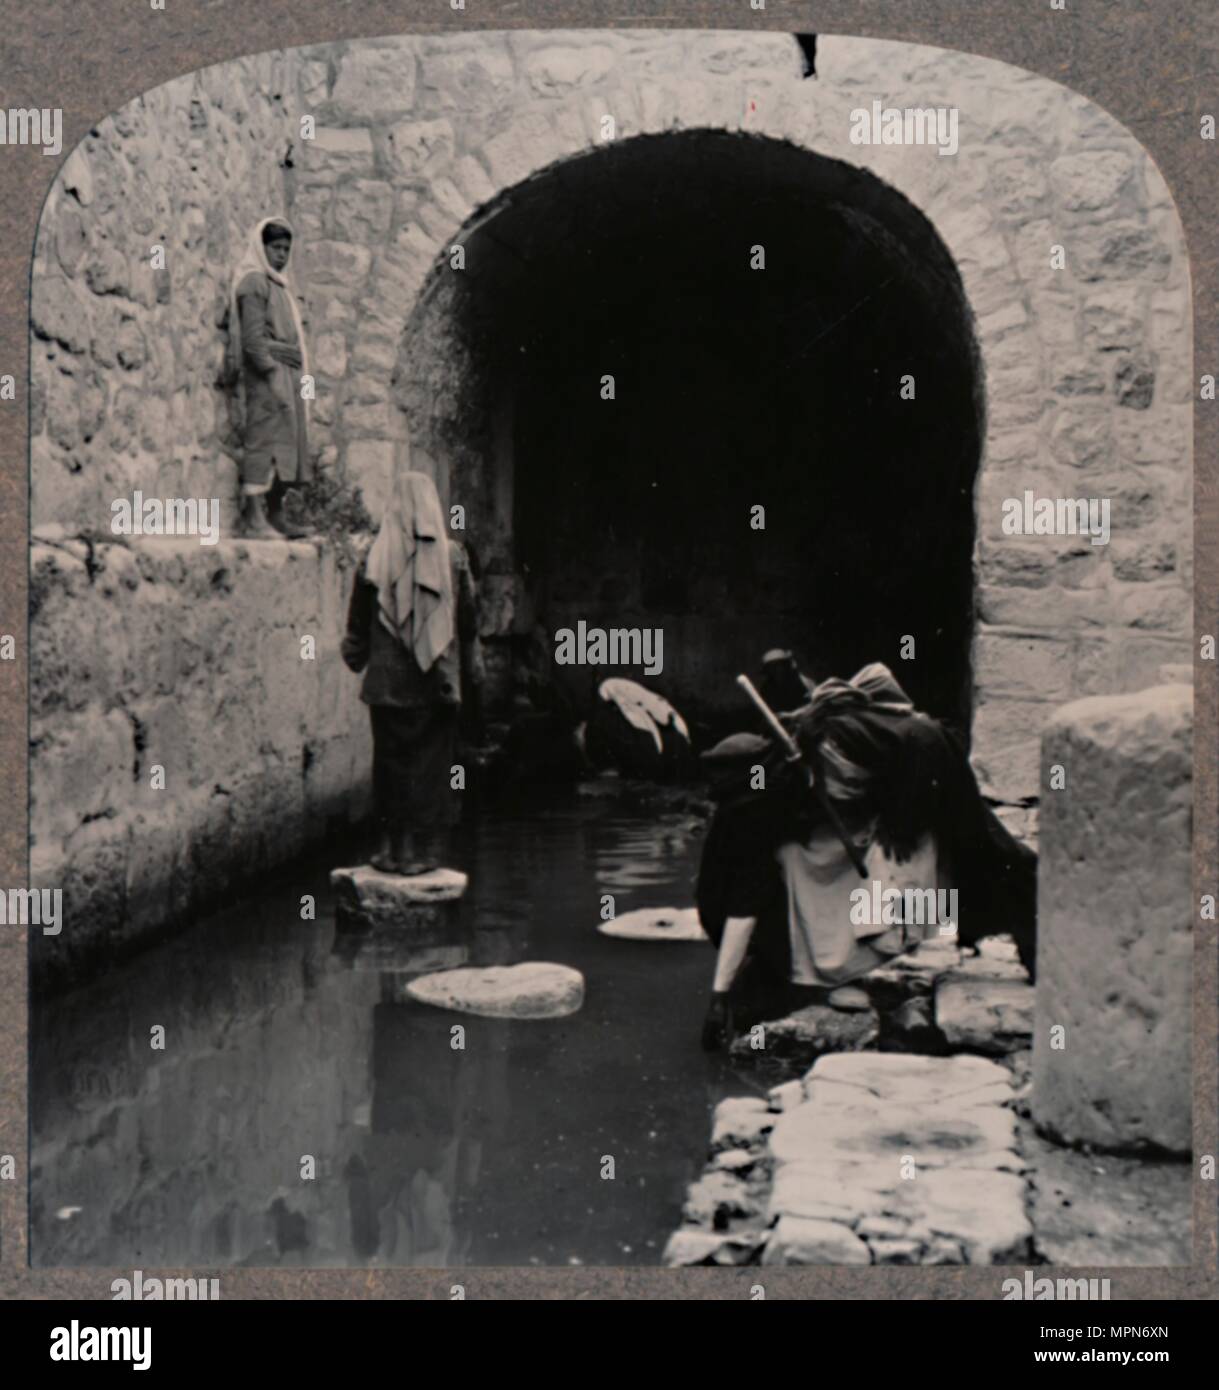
(412, 625)
(267, 354)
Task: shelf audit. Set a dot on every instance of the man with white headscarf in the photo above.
(411, 627)
(267, 355)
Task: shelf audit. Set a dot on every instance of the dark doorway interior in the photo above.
(734, 388)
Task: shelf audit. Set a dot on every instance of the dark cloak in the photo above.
(921, 782)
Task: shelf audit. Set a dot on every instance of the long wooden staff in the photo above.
(794, 755)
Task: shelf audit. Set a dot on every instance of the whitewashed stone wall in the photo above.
(1088, 369)
(149, 651)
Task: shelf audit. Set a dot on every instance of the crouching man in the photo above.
(879, 786)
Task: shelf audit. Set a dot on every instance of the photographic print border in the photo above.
(1150, 63)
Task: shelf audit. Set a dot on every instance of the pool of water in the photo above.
(298, 1114)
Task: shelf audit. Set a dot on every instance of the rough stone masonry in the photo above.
(134, 660)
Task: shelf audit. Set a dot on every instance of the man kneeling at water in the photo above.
(878, 784)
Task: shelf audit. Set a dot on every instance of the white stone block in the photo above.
(1115, 917)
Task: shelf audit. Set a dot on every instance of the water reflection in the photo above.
(429, 1146)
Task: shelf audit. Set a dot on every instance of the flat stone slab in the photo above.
(366, 898)
(373, 886)
(532, 989)
(911, 1160)
(909, 1081)
(986, 1005)
(885, 1139)
(656, 924)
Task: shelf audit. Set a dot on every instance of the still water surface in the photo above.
(279, 1046)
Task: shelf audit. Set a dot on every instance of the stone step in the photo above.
(422, 907)
(656, 924)
(532, 989)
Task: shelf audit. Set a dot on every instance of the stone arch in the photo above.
(1087, 369)
(787, 396)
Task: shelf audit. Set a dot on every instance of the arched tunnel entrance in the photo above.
(734, 387)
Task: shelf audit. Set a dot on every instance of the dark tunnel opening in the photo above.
(734, 387)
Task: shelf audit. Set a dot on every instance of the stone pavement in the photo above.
(921, 1152)
(874, 1158)
(902, 1155)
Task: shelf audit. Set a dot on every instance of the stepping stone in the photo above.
(983, 1213)
(421, 905)
(986, 1005)
(532, 989)
(656, 924)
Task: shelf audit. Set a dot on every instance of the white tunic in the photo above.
(827, 946)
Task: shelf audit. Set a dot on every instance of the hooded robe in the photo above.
(770, 854)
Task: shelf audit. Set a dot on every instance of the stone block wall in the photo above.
(126, 359)
(1088, 368)
(188, 658)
